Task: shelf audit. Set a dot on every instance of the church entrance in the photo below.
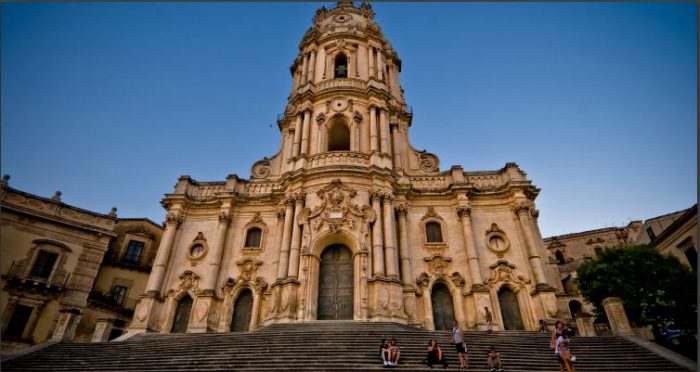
(242, 310)
(182, 315)
(510, 310)
(335, 299)
(443, 311)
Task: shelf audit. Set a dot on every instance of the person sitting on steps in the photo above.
(435, 355)
(385, 352)
(394, 353)
(493, 359)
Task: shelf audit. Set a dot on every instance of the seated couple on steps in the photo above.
(389, 353)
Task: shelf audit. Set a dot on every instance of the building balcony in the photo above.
(20, 275)
(112, 259)
(341, 83)
(103, 299)
(339, 158)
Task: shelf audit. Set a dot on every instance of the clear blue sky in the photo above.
(111, 102)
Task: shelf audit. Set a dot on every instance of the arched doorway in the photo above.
(339, 136)
(335, 297)
(182, 315)
(574, 308)
(510, 310)
(242, 310)
(443, 311)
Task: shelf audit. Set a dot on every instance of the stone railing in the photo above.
(340, 83)
(338, 158)
(428, 182)
(257, 188)
(204, 191)
(486, 181)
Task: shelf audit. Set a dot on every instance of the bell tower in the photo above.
(346, 95)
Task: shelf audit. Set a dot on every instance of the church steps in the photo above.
(353, 346)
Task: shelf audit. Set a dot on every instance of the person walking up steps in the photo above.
(459, 339)
(489, 319)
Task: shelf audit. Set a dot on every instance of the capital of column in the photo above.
(280, 213)
(402, 210)
(289, 201)
(224, 217)
(375, 196)
(463, 212)
(387, 198)
(174, 218)
(522, 206)
(300, 199)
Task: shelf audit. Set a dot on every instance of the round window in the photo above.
(196, 251)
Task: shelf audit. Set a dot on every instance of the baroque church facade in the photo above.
(347, 220)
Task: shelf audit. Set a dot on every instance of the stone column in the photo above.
(279, 230)
(297, 136)
(617, 317)
(373, 128)
(322, 62)
(464, 214)
(377, 239)
(312, 65)
(102, 330)
(390, 236)
(384, 132)
(404, 249)
(395, 141)
(209, 281)
(286, 239)
(304, 72)
(296, 241)
(305, 133)
(68, 320)
(522, 209)
(370, 59)
(155, 280)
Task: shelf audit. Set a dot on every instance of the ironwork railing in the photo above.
(18, 270)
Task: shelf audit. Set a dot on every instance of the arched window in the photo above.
(433, 232)
(339, 137)
(574, 308)
(560, 257)
(43, 264)
(341, 66)
(253, 237)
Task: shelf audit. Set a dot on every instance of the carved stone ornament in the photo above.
(556, 244)
(428, 162)
(497, 241)
(173, 217)
(248, 268)
(431, 215)
(189, 281)
(437, 265)
(522, 206)
(504, 272)
(261, 169)
(458, 279)
(320, 118)
(256, 220)
(423, 281)
(336, 209)
(357, 116)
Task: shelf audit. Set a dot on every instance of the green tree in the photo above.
(653, 287)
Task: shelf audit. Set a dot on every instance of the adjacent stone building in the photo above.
(53, 274)
(347, 220)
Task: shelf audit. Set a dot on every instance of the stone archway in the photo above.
(335, 284)
(443, 309)
(242, 311)
(510, 309)
(182, 315)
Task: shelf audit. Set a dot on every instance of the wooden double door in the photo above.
(335, 287)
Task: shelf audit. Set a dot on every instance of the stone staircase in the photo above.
(326, 346)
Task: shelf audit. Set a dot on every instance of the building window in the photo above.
(133, 251)
(339, 137)
(598, 250)
(253, 237)
(119, 294)
(341, 66)
(18, 321)
(43, 265)
(692, 255)
(433, 232)
(560, 257)
(651, 234)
